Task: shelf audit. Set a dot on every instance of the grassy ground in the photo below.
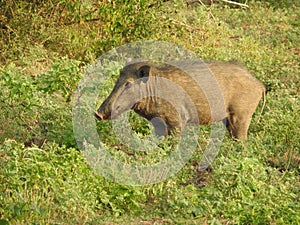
(45, 48)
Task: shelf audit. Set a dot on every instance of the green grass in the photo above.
(44, 178)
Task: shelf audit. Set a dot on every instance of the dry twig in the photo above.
(236, 3)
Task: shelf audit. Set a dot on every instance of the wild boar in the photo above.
(174, 95)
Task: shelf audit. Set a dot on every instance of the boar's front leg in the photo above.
(161, 128)
(165, 126)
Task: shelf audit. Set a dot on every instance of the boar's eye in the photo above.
(143, 71)
(128, 84)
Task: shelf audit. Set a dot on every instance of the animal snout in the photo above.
(98, 115)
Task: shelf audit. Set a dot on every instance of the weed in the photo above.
(44, 179)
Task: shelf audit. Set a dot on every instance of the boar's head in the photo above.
(128, 88)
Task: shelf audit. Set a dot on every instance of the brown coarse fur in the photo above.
(180, 93)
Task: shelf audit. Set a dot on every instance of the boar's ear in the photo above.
(144, 71)
(128, 61)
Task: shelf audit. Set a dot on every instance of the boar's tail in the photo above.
(263, 105)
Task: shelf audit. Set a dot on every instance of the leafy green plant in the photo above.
(81, 30)
(44, 179)
(62, 78)
(32, 113)
(56, 180)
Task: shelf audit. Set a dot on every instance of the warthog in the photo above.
(176, 94)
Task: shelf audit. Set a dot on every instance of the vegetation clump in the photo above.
(46, 47)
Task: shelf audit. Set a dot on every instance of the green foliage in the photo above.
(273, 3)
(79, 29)
(283, 4)
(37, 108)
(61, 79)
(44, 179)
(42, 175)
